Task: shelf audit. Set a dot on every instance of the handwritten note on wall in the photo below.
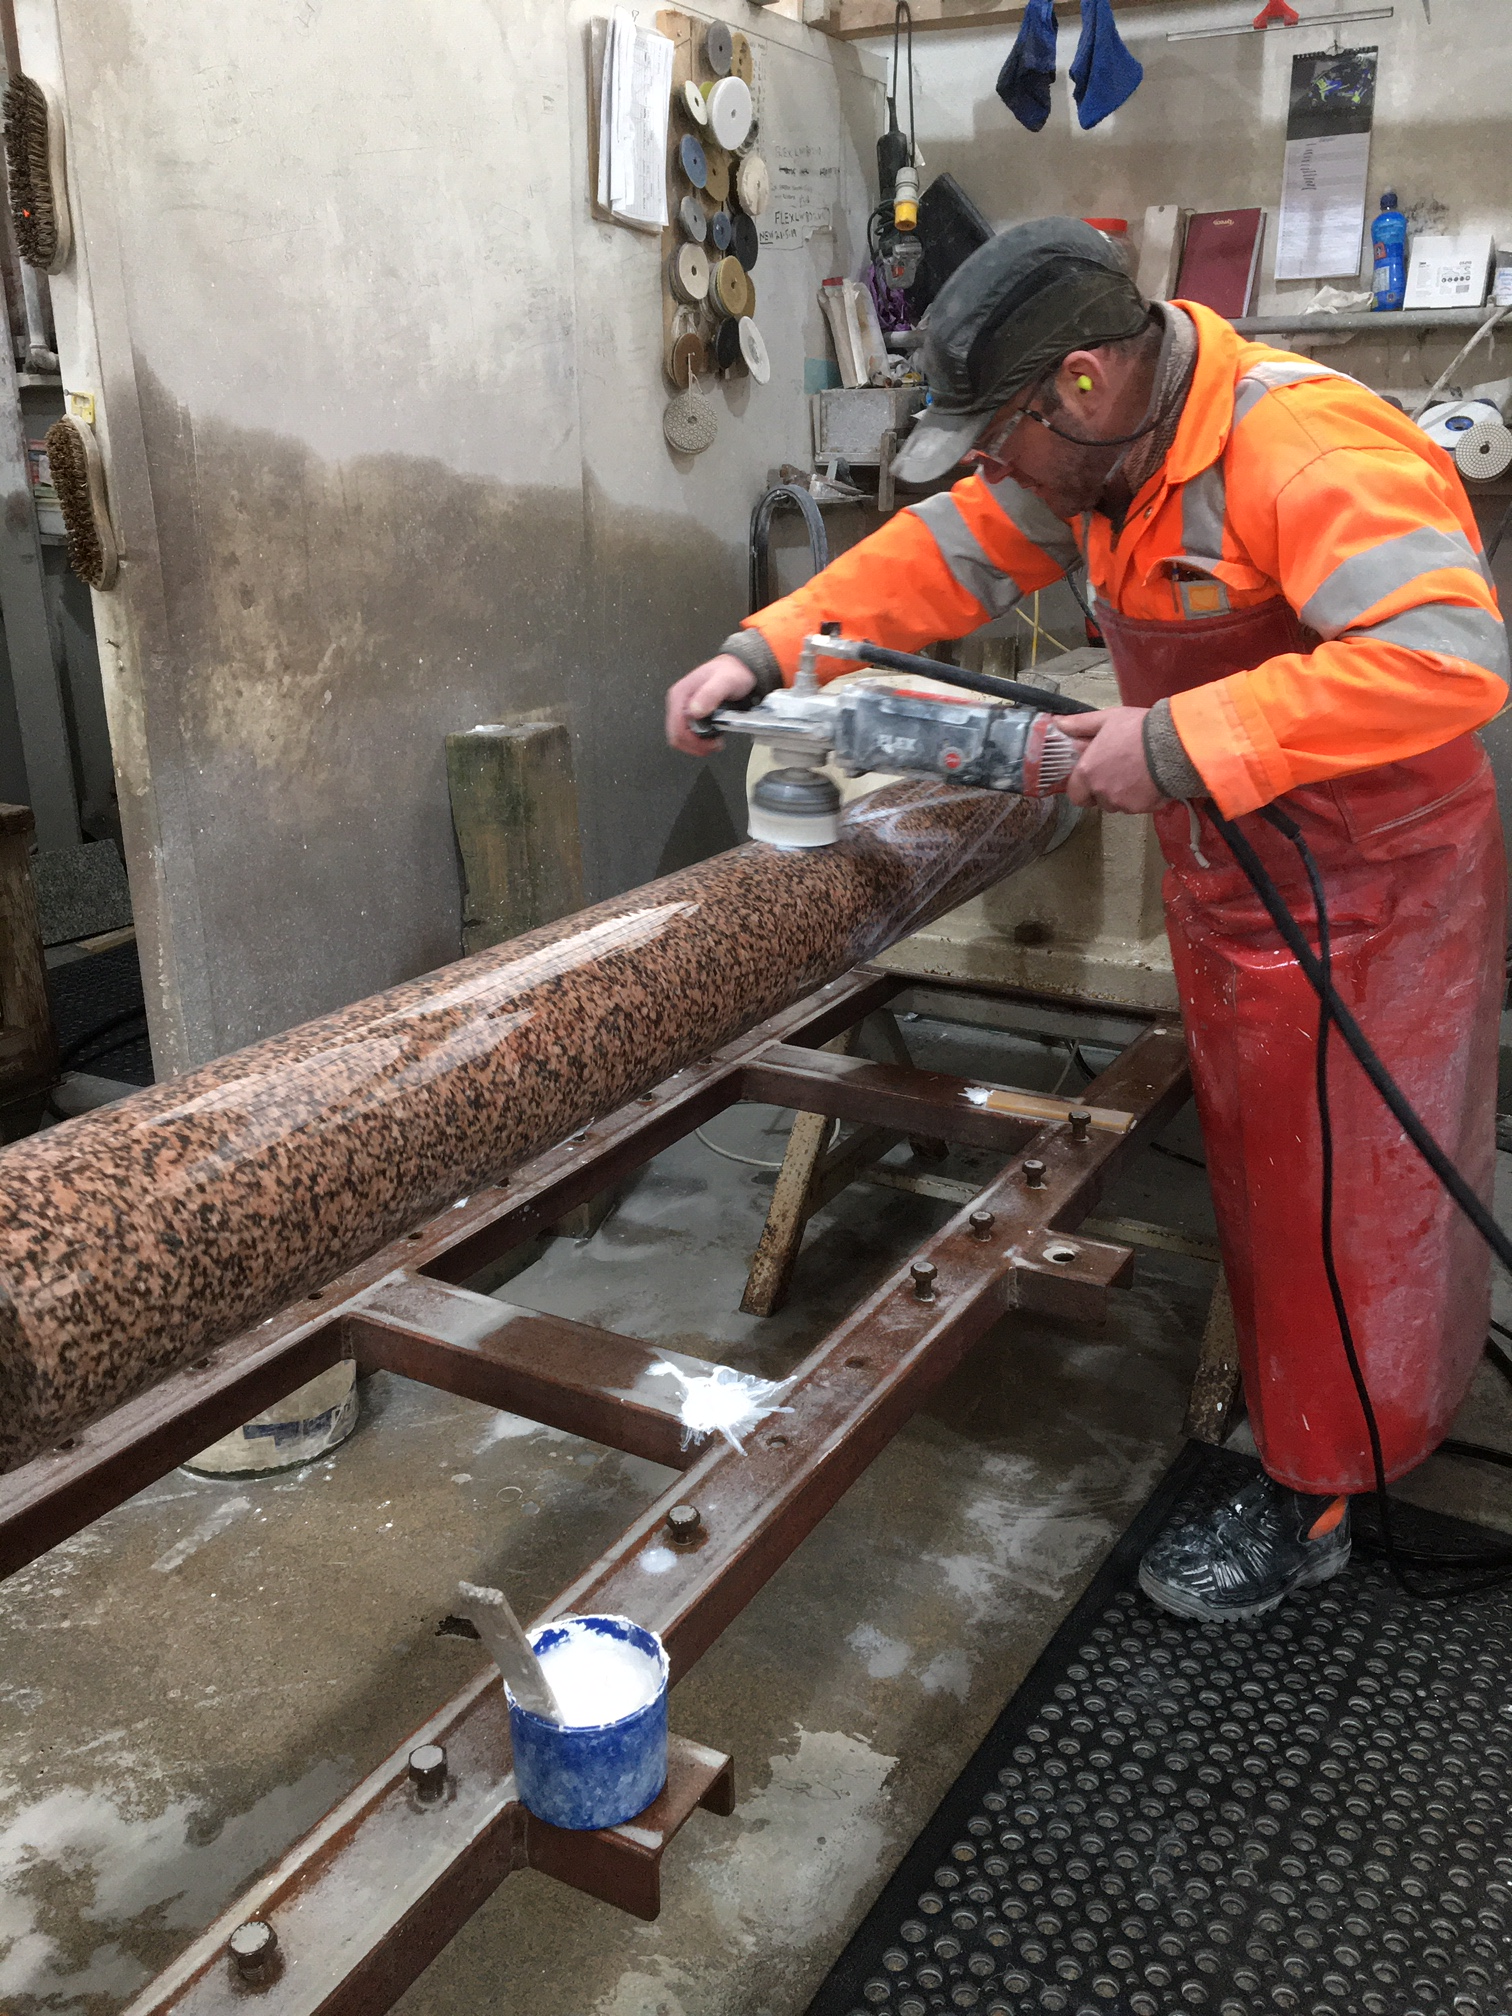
(805, 188)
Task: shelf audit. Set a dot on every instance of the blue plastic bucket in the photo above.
(594, 1774)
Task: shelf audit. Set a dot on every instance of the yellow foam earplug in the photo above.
(1084, 383)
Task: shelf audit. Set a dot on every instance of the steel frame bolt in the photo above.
(1034, 1173)
(427, 1770)
(1081, 1123)
(923, 1272)
(252, 1947)
(685, 1524)
(981, 1223)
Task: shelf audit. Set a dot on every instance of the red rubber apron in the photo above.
(1414, 872)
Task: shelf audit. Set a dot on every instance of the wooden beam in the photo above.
(849, 20)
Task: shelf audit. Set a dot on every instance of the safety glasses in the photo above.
(991, 446)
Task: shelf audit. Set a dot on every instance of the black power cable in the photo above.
(1491, 1567)
(1494, 1564)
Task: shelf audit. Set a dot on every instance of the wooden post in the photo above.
(28, 1044)
(514, 810)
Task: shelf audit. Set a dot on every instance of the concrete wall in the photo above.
(381, 407)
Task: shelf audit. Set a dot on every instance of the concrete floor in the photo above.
(185, 1687)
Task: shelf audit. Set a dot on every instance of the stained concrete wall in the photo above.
(381, 408)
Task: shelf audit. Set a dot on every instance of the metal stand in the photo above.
(357, 1909)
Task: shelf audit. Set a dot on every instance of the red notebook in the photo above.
(1221, 260)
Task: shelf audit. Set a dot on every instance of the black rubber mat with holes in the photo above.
(1311, 1813)
(101, 1015)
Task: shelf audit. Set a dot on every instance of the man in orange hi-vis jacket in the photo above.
(1290, 582)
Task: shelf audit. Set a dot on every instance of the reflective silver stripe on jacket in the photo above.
(967, 559)
(1368, 577)
(1451, 628)
(1270, 377)
(1204, 509)
(1204, 501)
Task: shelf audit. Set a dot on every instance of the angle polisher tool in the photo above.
(981, 742)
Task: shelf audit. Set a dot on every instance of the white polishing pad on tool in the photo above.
(795, 807)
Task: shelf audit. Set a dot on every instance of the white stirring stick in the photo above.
(504, 1636)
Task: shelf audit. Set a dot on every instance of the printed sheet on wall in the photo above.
(1327, 170)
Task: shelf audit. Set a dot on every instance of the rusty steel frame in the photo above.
(367, 1899)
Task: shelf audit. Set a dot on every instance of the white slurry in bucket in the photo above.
(597, 1679)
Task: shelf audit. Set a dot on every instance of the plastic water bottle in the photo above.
(1389, 281)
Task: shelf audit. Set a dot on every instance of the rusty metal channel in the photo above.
(361, 1906)
(45, 1501)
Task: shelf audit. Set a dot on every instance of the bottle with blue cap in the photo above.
(1389, 280)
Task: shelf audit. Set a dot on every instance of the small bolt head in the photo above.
(1081, 1122)
(685, 1523)
(427, 1770)
(923, 1272)
(252, 1947)
(981, 1223)
(1034, 1173)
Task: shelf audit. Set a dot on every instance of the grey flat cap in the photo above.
(1004, 319)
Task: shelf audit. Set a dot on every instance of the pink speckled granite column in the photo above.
(134, 1238)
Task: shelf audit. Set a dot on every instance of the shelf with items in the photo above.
(1389, 323)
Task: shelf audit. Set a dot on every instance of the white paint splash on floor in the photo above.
(949, 1672)
(652, 1994)
(225, 1514)
(885, 1657)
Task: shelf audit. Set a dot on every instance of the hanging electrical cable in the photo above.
(1486, 1569)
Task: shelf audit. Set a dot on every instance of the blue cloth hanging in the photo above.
(1024, 81)
(1103, 73)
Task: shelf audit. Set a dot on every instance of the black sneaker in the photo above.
(1245, 1556)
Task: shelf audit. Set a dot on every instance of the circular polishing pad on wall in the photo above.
(744, 242)
(690, 356)
(753, 185)
(692, 161)
(742, 62)
(695, 104)
(689, 423)
(730, 111)
(719, 47)
(722, 230)
(688, 272)
(716, 174)
(729, 289)
(753, 350)
(727, 346)
(693, 219)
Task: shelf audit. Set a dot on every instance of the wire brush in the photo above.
(34, 170)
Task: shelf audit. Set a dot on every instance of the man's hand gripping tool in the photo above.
(890, 729)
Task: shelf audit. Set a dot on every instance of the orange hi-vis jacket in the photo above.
(1284, 476)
